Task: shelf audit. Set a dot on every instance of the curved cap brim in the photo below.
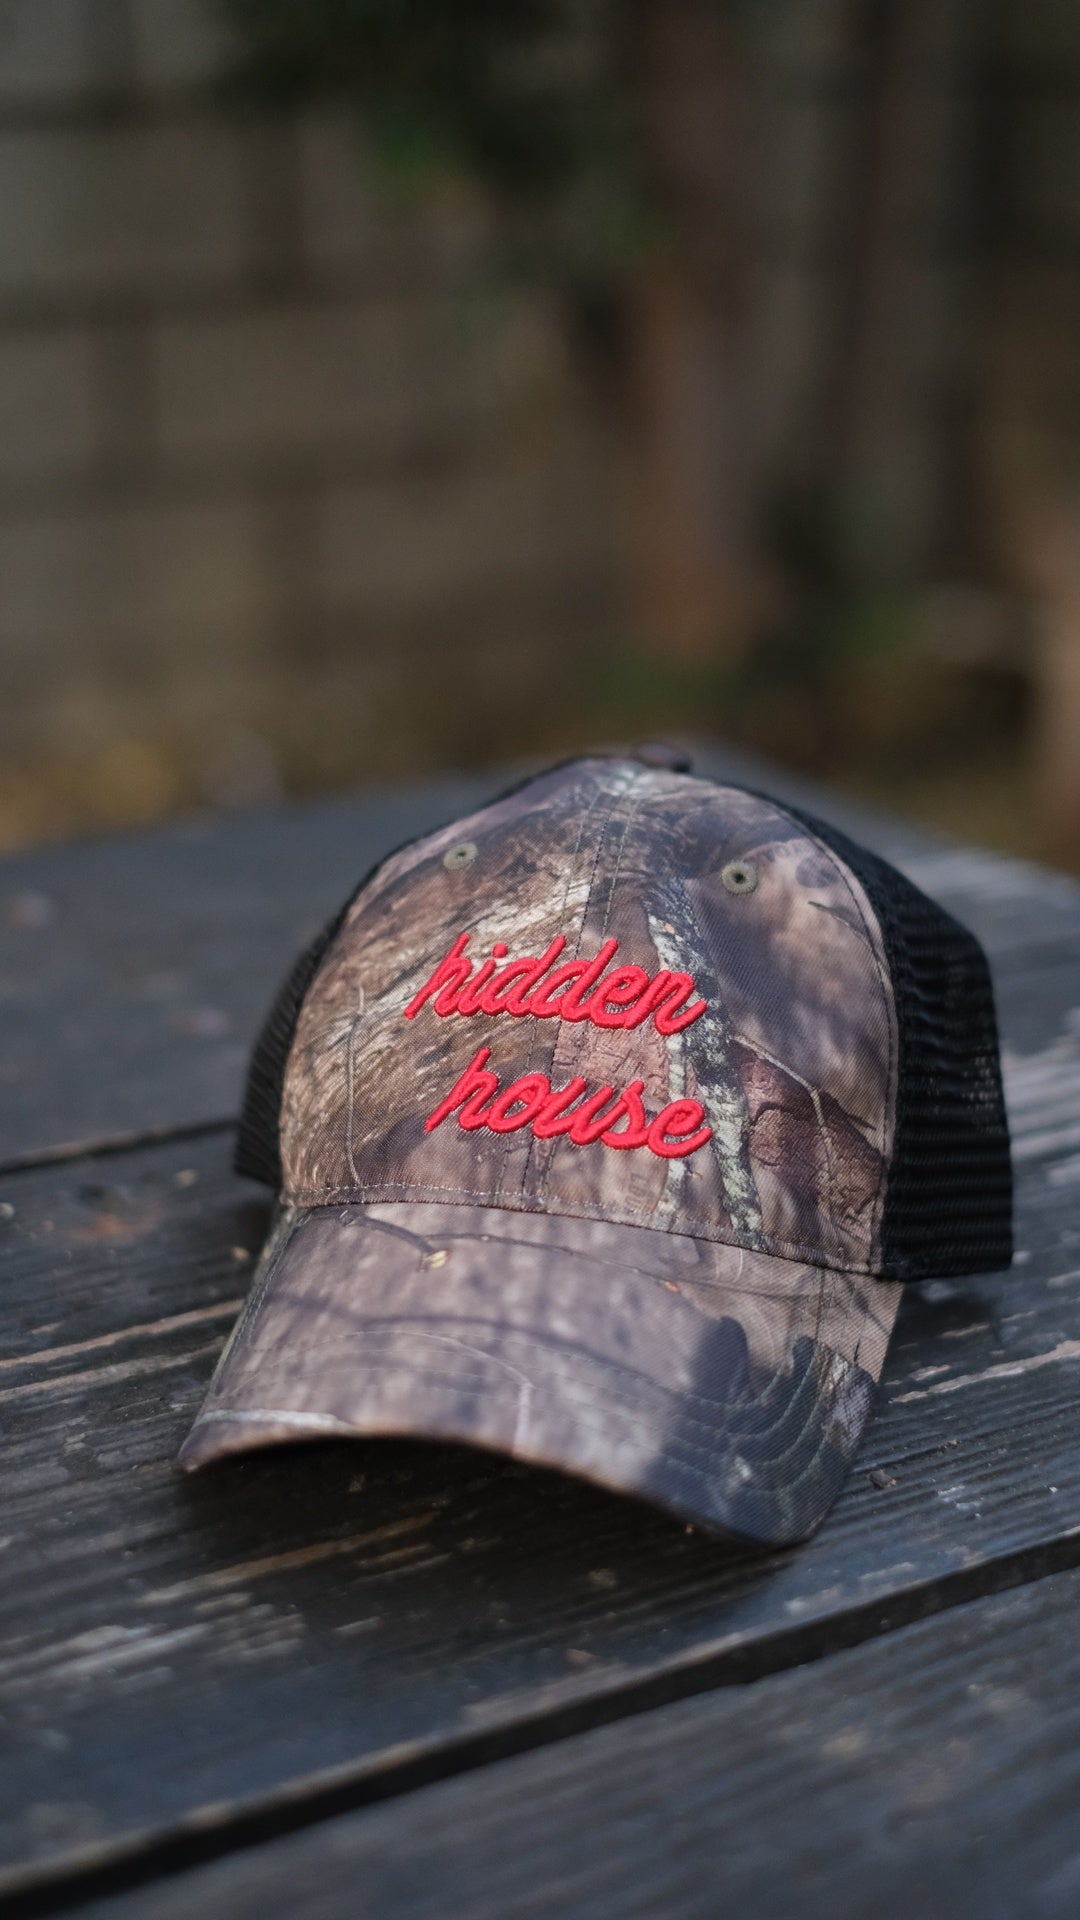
(727, 1386)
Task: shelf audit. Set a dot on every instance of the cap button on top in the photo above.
(665, 758)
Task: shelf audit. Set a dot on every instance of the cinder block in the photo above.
(48, 411)
(406, 551)
(49, 53)
(273, 381)
(355, 216)
(179, 43)
(128, 586)
(437, 694)
(373, 378)
(120, 207)
(340, 205)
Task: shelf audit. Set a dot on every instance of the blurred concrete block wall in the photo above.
(293, 486)
(268, 433)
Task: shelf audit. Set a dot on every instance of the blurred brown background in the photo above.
(710, 369)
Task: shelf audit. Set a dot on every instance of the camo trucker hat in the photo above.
(605, 1124)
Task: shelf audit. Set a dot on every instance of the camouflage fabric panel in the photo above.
(729, 1388)
(793, 1061)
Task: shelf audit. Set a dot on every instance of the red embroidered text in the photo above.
(619, 1120)
(625, 996)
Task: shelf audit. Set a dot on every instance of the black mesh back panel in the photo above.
(258, 1147)
(948, 1205)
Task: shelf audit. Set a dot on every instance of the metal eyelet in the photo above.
(457, 857)
(740, 876)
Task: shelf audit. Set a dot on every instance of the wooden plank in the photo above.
(135, 970)
(935, 1771)
(301, 1626)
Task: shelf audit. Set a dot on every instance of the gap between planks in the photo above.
(108, 1144)
(218, 1831)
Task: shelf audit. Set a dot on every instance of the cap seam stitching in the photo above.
(586, 816)
(890, 1016)
(623, 786)
(371, 1194)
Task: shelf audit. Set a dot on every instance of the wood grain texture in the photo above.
(136, 970)
(324, 1627)
(353, 1619)
(934, 1772)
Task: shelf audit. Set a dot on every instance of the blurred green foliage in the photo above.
(466, 85)
(536, 101)
(524, 97)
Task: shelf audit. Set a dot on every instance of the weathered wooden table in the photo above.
(390, 1680)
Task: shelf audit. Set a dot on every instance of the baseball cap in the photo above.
(606, 1124)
